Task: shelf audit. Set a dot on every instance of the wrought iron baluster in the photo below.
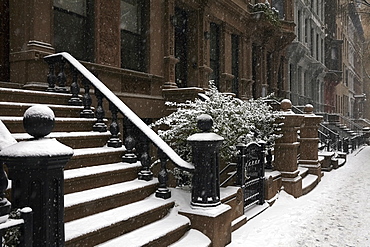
(62, 79)
(27, 227)
(129, 156)
(261, 173)
(240, 169)
(75, 89)
(269, 159)
(114, 140)
(163, 191)
(87, 112)
(51, 78)
(145, 173)
(99, 126)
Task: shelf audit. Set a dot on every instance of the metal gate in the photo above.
(251, 172)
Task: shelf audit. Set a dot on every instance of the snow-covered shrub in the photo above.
(235, 120)
(12, 236)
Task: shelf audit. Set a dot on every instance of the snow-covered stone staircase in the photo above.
(104, 201)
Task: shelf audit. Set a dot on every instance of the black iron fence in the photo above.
(250, 173)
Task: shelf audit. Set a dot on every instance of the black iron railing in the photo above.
(251, 172)
(58, 83)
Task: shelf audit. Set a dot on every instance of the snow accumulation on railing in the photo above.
(125, 110)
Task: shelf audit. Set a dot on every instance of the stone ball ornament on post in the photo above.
(38, 120)
(36, 170)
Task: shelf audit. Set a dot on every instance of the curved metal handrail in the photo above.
(125, 110)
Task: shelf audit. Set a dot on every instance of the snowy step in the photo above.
(95, 156)
(309, 182)
(87, 202)
(18, 109)
(102, 175)
(101, 227)
(160, 233)
(193, 238)
(238, 222)
(81, 139)
(30, 96)
(303, 171)
(15, 124)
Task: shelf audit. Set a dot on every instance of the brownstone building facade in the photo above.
(149, 51)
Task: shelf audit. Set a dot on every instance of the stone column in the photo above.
(31, 35)
(286, 149)
(309, 140)
(170, 59)
(36, 170)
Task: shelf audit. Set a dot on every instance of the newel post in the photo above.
(309, 140)
(206, 178)
(207, 213)
(286, 149)
(36, 169)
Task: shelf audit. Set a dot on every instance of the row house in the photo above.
(151, 51)
(307, 55)
(326, 57)
(345, 51)
(365, 20)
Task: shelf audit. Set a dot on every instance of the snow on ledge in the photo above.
(37, 148)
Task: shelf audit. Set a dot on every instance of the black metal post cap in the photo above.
(204, 122)
(38, 120)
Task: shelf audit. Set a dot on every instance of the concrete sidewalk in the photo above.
(335, 213)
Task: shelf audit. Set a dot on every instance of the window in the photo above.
(181, 47)
(306, 28)
(299, 26)
(235, 63)
(215, 53)
(73, 28)
(133, 35)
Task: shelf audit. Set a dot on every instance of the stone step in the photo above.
(309, 183)
(86, 178)
(303, 171)
(18, 109)
(75, 140)
(30, 96)
(160, 233)
(193, 238)
(99, 228)
(88, 202)
(15, 124)
(86, 157)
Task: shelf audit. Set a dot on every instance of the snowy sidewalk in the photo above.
(335, 213)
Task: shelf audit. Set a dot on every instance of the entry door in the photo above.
(4, 41)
